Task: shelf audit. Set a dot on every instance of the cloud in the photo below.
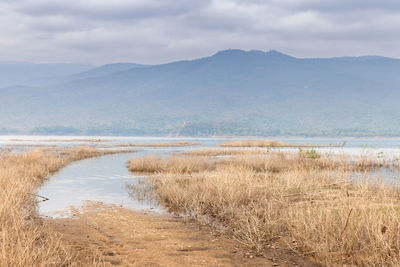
(333, 6)
(156, 31)
(107, 10)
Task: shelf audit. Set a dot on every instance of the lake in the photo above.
(105, 178)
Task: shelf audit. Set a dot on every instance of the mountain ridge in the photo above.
(232, 92)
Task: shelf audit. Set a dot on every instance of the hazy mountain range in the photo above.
(233, 92)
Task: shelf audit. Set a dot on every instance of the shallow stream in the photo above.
(105, 178)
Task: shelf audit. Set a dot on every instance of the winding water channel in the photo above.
(97, 179)
(105, 178)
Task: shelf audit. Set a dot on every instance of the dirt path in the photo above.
(109, 235)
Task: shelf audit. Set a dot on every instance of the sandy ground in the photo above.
(110, 235)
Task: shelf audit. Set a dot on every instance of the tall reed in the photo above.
(309, 204)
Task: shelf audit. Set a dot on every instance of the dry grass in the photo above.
(256, 160)
(309, 204)
(223, 152)
(261, 143)
(174, 164)
(24, 240)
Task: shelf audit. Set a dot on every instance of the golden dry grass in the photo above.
(223, 151)
(309, 204)
(256, 160)
(261, 143)
(24, 240)
(174, 164)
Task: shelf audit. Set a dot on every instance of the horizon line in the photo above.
(94, 65)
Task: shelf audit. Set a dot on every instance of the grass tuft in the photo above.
(304, 201)
(24, 239)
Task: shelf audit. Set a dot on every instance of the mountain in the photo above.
(17, 73)
(91, 73)
(233, 92)
(105, 70)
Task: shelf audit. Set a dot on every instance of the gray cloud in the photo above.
(155, 31)
(341, 5)
(108, 10)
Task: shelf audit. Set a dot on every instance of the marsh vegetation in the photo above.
(24, 239)
(304, 201)
(211, 151)
(300, 199)
(262, 143)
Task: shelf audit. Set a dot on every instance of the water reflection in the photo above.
(389, 176)
(98, 179)
(105, 179)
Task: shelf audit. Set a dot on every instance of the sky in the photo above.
(159, 31)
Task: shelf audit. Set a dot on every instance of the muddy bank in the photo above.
(111, 235)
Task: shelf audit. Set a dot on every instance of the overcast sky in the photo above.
(157, 31)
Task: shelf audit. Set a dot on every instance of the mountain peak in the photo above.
(239, 52)
(230, 52)
(276, 53)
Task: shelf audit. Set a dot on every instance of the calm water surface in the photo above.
(105, 178)
(97, 179)
(60, 140)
